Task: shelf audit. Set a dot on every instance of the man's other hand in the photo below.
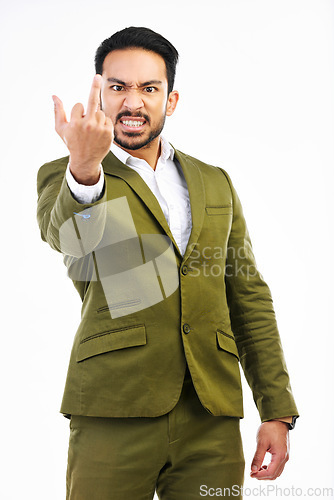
(272, 437)
(87, 136)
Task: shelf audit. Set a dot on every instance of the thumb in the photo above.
(60, 115)
(259, 455)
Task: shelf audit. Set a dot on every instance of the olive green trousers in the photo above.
(186, 454)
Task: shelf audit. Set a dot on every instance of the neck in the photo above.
(150, 153)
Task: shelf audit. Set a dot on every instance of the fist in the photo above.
(87, 136)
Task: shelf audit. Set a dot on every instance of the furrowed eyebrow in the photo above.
(144, 84)
(115, 80)
(151, 82)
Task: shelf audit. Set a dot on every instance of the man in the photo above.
(157, 247)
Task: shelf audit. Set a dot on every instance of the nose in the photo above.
(133, 100)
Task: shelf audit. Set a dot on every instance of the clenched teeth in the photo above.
(132, 123)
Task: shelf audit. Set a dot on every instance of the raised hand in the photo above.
(87, 136)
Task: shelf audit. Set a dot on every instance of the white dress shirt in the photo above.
(166, 182)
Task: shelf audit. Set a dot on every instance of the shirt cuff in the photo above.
(81, 192)
(287, 420)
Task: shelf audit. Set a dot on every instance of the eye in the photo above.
(150, 90)
(117, 88)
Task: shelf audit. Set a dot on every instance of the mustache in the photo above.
(133, 115)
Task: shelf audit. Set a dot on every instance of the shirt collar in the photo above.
(167, 152)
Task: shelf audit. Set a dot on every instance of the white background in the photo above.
(256, 85)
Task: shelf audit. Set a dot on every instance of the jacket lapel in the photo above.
(193, 177)
(196, 190)
(113, 166)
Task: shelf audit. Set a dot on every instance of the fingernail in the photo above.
(254, 468)
(54, 100)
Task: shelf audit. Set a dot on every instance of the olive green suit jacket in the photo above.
(209, 308)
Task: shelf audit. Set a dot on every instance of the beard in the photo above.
(126, 143)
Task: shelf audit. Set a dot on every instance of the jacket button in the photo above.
(184, 270)
(186, 328)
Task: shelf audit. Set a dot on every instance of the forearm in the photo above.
(66, 224)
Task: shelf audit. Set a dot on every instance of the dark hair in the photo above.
(144, 38)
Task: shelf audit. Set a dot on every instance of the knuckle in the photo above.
(89, 126)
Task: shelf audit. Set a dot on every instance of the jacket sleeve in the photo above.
(70, 227)
(254, 324)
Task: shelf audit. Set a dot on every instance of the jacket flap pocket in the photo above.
(227, 343)
(222, 210)
(111, 341)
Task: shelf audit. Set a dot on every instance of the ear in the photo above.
(172, 102)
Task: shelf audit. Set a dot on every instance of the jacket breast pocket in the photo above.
(219, 210)
(227, 343)
(111, 340)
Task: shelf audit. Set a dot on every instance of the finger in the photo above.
(100, 117)
(258, 457)
(94, 96)
(265, 474)
(273, 470)
(109, 123)
(77, 111)
(276, 465)
(279, 471)
(60, 115)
